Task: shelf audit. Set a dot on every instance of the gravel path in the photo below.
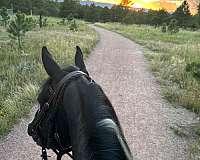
(119, 66)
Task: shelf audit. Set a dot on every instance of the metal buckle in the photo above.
(46, 106)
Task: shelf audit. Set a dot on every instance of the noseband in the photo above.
(51, 104)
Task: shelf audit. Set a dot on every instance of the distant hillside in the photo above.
(96, 4)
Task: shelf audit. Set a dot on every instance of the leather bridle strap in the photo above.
(54, 95)
(66, 78)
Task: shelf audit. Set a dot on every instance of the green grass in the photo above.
(168, 55)
(3, 35)
(22, 73)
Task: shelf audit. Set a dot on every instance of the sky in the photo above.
(169, 5)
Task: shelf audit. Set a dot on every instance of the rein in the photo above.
(42, 112)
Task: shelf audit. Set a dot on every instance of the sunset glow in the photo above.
(168, 5)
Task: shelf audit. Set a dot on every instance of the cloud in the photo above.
(169, 5)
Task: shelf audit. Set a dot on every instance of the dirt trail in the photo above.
(119, 66)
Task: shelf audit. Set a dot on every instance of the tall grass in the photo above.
(22, 72)
(169, 54)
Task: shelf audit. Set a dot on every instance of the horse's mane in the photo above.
(111, 143)
(106, 137)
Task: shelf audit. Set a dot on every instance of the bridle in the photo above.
(50, 104)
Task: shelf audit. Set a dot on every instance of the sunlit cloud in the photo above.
(168, 5)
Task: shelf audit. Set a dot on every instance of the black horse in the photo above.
(78, 117)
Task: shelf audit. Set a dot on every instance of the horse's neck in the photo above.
(80, 146)
(78, 137)
(85, 137)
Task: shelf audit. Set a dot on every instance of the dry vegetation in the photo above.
(169, 56)
(21, 71)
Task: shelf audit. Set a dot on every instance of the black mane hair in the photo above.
(107, 139)
(99, 124)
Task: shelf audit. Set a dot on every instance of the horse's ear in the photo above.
(51, 67)
(79, 60)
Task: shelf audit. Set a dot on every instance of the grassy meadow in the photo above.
(22, 72)
(169, 55)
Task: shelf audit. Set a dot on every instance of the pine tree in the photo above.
(4, 3)
(198, 14)
(4, 15)
(68, 7)
(182, 14)
(19, 26)
(157, 18)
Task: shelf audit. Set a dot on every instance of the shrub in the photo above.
(173, 26)
(70, 17)
(164, 28)
(73, 26)
(194, 26)
(64, 21)
(128, 19)
(194, 69)
(31, 23)
(44, 23)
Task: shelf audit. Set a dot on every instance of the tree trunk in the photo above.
(40, 21)
(19, 42)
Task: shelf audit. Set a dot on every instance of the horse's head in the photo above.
(43, 123)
